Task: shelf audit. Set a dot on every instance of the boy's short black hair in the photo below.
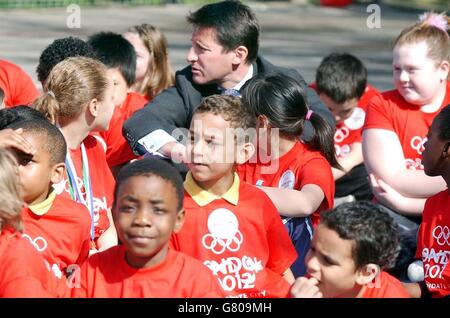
(18, 113)
(115, 51)
(152, 167)
(342, 77)
(55, 144)
(444, 123)
(373, 232)
(58, 51)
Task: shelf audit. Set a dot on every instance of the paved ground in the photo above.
(293, 34)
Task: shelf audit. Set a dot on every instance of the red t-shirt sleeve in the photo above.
(17, 84)
(318, 171)
(281, 251)
(378, 115)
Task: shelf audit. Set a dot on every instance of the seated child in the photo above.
(119, 56)
(57, 227)
(148, 208)
(433, 244)
(350, 248)
(153, 71)
(341, 82)
(58, 51)
(23, 272)
(231, 226)
(79, 99)
(295, 174)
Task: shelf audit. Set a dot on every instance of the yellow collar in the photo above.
(203, 197)
(43, 207)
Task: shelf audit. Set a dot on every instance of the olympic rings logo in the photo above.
(442, 235)
(39, 243)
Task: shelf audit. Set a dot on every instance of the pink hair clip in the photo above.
(308, 115)
(434, 19)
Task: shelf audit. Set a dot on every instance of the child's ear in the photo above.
(245, 152)
(446, 150)
(58, 173)
(179, 221)
(445, 68)
(367, 274)
(240, 55)
(93, 107)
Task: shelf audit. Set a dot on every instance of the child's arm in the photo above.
(387, 196)
(109, 237)
(383, 157)
(296, 203)
(351, 160)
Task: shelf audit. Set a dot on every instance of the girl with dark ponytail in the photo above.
(295, 174)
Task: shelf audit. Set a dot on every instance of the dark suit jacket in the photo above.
(174, 107)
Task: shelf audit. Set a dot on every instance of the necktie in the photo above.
(231, 92)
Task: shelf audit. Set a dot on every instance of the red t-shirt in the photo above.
(23, 272)
(349, 131)
(118, 151)
(298, 167)
(101, 179)
(17, 85)
(391, 112)
(385, 286)
(108, 275)
(245, 246)
(62, 234)
(433, 244)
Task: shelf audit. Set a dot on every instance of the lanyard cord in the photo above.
(75, 188)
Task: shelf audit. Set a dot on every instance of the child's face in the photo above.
(37, 173)
(341, 111)
(142, 54)
(435, 154)
(417, 77)
(145, 215)
(105, 108)
(211, 148)
(120, 86)
(330, 261)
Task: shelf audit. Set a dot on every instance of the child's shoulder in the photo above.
(70, 208)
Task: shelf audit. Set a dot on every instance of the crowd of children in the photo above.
(275, 201)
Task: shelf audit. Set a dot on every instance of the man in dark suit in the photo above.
(223, 56)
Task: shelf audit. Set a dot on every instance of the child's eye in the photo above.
(126, 208)
(159, 211)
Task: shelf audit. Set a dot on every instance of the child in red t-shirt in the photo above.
(148, 208)
(398, 121)
(153, 70)
(341, 82)
(231, 226)
(79, 99)
(57, 227)
(433, 246)
(119, 56)
(351, 247)
(23, 272)
(295, 174)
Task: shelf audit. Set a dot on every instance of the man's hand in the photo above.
(175, 151)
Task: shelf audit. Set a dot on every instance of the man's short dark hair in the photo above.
(234, 22)
(152, 167)
(58, 51)
(115, 51)
(55, 144)
(373, 232)
(342, 77)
